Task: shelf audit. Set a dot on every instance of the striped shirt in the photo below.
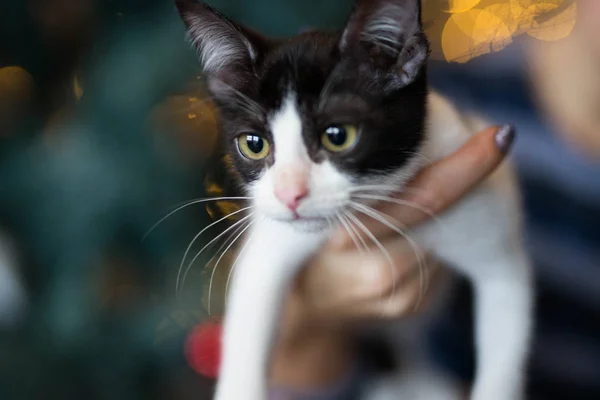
(561, 193)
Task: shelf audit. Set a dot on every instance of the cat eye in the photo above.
(338, 138)
(253, 146)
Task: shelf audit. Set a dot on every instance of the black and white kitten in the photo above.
(316, 125)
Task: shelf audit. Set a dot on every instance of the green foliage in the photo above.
(72, 203)
(85, 195)
(286, 18)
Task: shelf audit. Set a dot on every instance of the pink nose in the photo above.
(290, 185)
(291, 195)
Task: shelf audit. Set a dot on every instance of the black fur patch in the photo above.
(333, 84)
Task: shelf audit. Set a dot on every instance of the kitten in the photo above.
(316, 125)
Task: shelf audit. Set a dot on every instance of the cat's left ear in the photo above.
(228, 52)
(389, 28)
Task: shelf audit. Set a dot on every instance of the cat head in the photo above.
(314, 120)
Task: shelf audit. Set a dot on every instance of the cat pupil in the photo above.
(337, 135)
(255, 143)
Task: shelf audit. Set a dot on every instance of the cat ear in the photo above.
(392, 28)
(228, 52)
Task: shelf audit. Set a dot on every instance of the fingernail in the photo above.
(505, 138)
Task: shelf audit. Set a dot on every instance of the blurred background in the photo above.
(105, 128)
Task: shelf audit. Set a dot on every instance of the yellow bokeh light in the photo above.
(228, 207)
(16, 84)
(214, 190)
(504, 13)
(459, 6)
(525, 11)
(557, 27)
(77, 88)
(473, 33)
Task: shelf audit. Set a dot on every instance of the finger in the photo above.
(336, 279)
(440, 185)
(410, 265)
(429, 285)
(410, 298)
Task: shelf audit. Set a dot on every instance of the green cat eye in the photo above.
(253, 146)
(338, 138)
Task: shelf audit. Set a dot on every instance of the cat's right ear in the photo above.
(388, 28)
(228, 52)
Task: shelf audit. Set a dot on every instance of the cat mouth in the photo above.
(299, 219)
(309, 223)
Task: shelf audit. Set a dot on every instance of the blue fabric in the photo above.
(348, 387)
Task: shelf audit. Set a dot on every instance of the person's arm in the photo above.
(314, 358)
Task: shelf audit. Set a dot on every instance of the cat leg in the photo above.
(416, 381)
(273, 255)
(481, 239)
(503, 304)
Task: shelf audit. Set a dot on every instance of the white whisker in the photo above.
(247, 103)
(212, 275)
(187, 250)
(350, 231)
(231, 271)
(385, 219)
(362, 188)
(190, 203)
(388, 188)
(403, 202)
(330, 221)
(421, 156)
(229, 239)
(381, 248)
(187, 270)
(364, 244)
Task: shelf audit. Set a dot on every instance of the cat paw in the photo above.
(240, 393)
(239, 396)
(494, 394)
(412, 387)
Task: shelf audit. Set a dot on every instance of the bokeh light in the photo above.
(477, 27)
(458, 6)
(555, 27)
(472, 33)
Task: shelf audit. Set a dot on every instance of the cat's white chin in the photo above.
(310, 224)
(305, 224)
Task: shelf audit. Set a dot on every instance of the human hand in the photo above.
(345, 284)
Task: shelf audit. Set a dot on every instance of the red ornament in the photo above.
(203, 348)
